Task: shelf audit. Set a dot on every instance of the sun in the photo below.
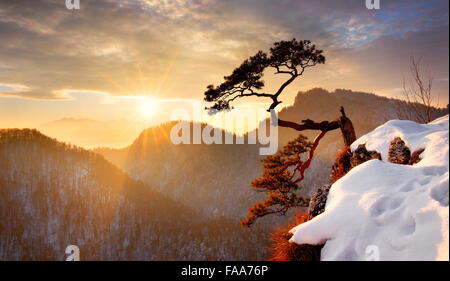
(148, 108)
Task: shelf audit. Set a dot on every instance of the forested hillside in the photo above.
(367, 111)
(215, 179)
(54, 195)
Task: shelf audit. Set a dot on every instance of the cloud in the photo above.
(173, 49)
(10, 89)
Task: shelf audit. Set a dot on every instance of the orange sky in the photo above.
(108, 58)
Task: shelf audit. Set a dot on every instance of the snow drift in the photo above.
(401, 211)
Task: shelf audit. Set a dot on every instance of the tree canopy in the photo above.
(289, 58)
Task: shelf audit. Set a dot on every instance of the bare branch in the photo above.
(310, 125)
(418, 96)
(305, 165)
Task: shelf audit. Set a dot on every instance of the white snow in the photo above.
(385, 210)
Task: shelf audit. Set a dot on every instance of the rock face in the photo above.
(361, 155)
(318, 201)
(415, 157)
(399, 153)
(341, 165)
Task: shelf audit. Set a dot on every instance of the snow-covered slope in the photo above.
(385, 210)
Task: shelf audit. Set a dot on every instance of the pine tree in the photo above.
(282, 173)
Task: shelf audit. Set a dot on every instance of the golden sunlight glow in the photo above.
(147, 108)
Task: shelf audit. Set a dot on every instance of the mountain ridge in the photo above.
(54, 195)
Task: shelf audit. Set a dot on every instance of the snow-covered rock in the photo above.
(387, 211)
